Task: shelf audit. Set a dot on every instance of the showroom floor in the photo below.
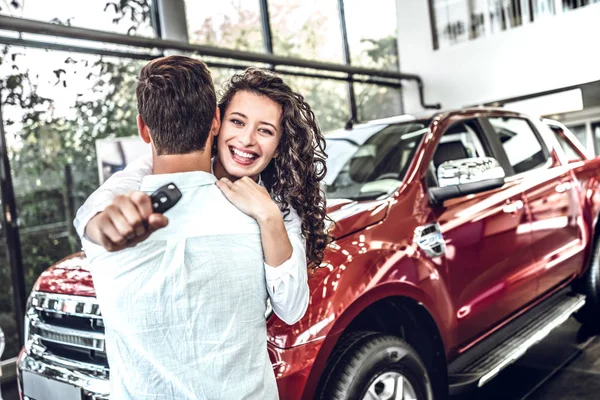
(559, 368)
(562, 367)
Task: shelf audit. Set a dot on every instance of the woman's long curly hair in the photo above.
(293, 177)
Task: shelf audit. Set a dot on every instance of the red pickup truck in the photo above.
(461, 239)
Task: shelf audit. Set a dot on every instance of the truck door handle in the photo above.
(563, 187)
(512, 208)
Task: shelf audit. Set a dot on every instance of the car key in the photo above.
(165, 197)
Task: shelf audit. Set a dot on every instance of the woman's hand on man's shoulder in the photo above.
(250, 198)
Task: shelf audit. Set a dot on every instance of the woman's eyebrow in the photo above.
(270, 124)
(239, 113)
(244, 116)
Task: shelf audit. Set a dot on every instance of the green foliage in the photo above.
(382, 53)
(328, 99)
(46, 145)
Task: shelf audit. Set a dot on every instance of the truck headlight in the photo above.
(27, 321)
(2, 344)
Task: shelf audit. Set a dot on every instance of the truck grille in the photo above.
(67, 328)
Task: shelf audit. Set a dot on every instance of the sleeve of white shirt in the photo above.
(287, 284)
(121, 182)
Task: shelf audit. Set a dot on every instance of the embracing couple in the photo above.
(183, 295)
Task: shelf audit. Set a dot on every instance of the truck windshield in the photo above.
(377, 167)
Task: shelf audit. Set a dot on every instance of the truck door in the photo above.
(491, 269)
(552, 198)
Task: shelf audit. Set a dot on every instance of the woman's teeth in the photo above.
(243, 154)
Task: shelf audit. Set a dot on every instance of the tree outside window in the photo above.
(55, 105)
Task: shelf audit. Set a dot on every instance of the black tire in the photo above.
(589, 285)
(362, 358)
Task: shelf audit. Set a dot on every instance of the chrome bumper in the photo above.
(93, 382)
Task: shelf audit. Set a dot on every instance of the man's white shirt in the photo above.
(185, 310)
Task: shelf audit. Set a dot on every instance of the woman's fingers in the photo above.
(226, 182)
(226, 186)
(248, 182)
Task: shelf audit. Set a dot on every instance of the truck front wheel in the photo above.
(589, 285)
(372, 366)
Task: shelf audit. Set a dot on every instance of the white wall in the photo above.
(552, 53)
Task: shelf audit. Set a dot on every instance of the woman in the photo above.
(269, 160)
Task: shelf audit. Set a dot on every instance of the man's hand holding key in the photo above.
(130, 219)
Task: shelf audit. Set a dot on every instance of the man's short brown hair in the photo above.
(176, 99)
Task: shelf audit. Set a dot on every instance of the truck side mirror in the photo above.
(466, 176)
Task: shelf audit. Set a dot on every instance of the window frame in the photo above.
(568, 148)
(500, 151)
(562, 137)
(476, 125)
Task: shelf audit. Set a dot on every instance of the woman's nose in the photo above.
(247, 138)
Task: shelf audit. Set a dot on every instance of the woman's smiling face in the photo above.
(249, 136)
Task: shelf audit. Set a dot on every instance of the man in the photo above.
(184, 308)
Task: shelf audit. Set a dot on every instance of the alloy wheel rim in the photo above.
(391, 386)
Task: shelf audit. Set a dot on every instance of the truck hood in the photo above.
(350, 216)
(68, 276)
(71, 275)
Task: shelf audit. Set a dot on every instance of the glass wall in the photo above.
(55, 105)
(374, 101)
(130, 17)
(542, 8)
(233, 24)
(298, 27)
(572, 4)
(8, 320)
(505, 14)
(450, 20)
(372, 33)
(327, 98)
(457, 21)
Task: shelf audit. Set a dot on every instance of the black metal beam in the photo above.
(44, 28)
(11, 230)
(266, 26)
(265, 20)
(347, 61)
(76, 49)
(155, 19)
(149, 56)
(502, 102)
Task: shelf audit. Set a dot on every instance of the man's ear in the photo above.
(216, 123)
(143, 130)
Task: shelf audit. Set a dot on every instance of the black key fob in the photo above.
(165, 197)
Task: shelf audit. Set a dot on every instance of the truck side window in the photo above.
(571, 153)
(460, 141)
(521, 144)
